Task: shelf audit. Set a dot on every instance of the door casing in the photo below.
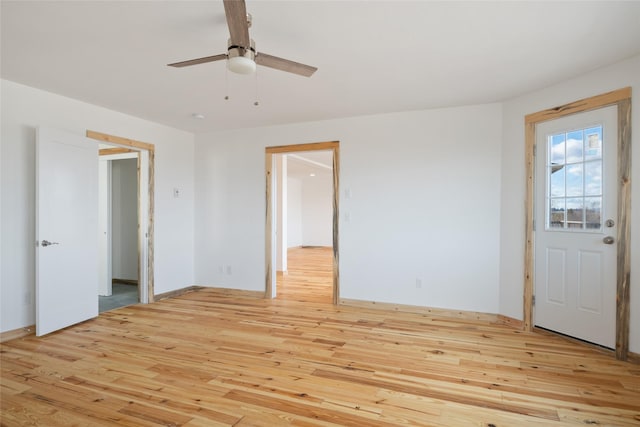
(575, 271)
(622, 99)
(269, 226)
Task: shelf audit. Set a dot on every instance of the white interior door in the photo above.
(66, 230)
(104, 231)
(576, 214)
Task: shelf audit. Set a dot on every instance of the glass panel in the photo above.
(593, 212)
(575, 212)
(593, 178)
(556, 180)
(593, 143)
(556, 149)
(556, 213)
(574, 146)
(574, 180)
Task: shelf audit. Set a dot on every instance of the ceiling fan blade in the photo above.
(199, 60)
(285, 65)
(236, 12)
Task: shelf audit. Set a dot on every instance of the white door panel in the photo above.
(104, 231)
(556, 276)
(576, 193)
(590, 270)
(67, 215)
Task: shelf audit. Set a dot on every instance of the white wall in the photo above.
(317, 210)
(424, 203)
(310, 210)
(294, 212)
(24, 109)
(124, 218)
(626, 73)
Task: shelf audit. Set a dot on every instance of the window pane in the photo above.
(593, 212)
(574, 146)
(556, 181)
(556, 213)
(593, 178)
(556, 149)
(574, 180)
(575, 212)
(593, 143)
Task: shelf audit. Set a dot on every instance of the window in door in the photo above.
(574, 176)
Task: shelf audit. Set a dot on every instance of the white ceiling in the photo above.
(303, 164)
(373, 56)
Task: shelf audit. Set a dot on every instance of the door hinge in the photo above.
(533, 300)
(535, 149)
(534, 225)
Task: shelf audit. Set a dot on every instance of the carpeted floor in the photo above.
(122, 295)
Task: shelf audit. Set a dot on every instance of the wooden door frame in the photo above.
(285, 149)
(622, 99)
(128, 145)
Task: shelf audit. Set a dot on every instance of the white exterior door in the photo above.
(575, 225)
(66, 230)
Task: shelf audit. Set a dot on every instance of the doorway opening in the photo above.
(304, 239)
(287, 252)
(621, 99)
(118, 221)
(129, 269)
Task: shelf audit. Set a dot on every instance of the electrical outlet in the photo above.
(418, 283)
(176, 193)
(229, 270)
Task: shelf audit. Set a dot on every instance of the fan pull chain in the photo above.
(226, 83)
(256, 103)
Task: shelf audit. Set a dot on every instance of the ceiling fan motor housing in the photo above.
(241, 58)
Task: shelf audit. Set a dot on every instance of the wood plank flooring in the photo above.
(212, 358)
(309, 276)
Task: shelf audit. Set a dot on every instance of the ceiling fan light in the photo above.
(241, 65)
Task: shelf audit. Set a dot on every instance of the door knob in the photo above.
(608, 240)
(46, 243)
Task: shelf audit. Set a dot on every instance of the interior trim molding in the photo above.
(125, 281)
(112, 151)
(417, 309)
(622, 99)
(17, 333)
(177, 292)
(312, 146)
(112, 139)
(633, 357)
(510, 321)
(240, 293)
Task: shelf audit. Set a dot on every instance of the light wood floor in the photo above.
(211, 358)
(309, 276)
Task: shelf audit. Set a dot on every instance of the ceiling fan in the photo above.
(241, 54)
